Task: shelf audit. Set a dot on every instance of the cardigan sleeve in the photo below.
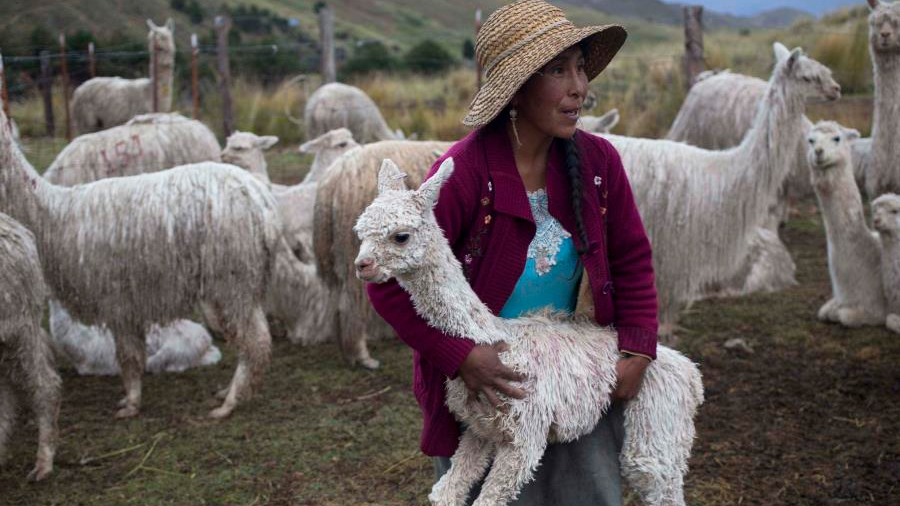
(630, 264)
(454, 211)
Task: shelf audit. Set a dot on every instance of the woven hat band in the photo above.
(513, 48)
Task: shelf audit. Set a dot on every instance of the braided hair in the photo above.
(573, 169)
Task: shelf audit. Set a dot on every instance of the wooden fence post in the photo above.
(223, 24)
(65, 84)
(4, 94)
(45, 84)
(326, 33)
(195, 76)
(477, 63)
(693, 43)
(92, 62)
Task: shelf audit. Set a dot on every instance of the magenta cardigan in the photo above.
(484, 213)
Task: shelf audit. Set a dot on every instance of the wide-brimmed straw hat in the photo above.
(520, 38)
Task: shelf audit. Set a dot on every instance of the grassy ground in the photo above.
(809, 418)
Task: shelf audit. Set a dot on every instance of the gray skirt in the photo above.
(579, 473)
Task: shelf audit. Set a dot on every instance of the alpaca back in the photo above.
(185, 234)
(337, 105)
(105, 102)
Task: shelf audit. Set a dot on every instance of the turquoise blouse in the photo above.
(552, 270)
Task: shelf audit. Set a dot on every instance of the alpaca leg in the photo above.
(514, 465)
(254, 349)
(132, 356)
(466, 468)
(828, 311)
(7, 416)
(893, 322)
(44, 387)
(352, 337)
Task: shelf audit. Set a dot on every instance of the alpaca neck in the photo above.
(839, 200)
(442, 296)
(24, 194)
(772, 141)
(165, 78)
(886, 123)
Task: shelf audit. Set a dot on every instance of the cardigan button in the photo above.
(607, 288)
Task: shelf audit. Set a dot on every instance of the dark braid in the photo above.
(573, 168)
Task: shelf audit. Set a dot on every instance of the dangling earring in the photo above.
(513, 115)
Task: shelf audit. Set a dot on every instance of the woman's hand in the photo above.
(483, 373)
(629, 373)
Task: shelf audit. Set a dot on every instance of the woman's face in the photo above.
(550, 101)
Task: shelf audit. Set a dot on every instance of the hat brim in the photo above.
(601, 45)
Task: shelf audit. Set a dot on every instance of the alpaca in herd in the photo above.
(132, 251)
(853, 251)
(886, 220)
(104, 102)
(28, 372)
(326, 148)
(400, 239)
(338, 105)
(345, 189)
(599, 124)
(882, 173)
(146, 143)
(704, 209)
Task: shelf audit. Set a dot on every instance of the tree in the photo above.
(370, 57)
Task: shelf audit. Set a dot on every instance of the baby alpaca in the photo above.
(886, 220)
(853, 252)
(570, 364)
(26, 356)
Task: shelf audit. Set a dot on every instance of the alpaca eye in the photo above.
(401, 238)
(810, 141)
(836, 139)
(342, 145)
(806, 79)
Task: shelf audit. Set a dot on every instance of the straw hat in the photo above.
(520, 38)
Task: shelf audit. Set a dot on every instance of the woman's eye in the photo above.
(401, 238)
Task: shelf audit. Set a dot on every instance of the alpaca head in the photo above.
(886, 214)
(884, 26)
(811, 78)
(245, 150)
(162, 37)
(829, 145)
(398, 230)
(330, 145)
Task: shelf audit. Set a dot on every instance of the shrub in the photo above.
(428, 57)
(370, 57)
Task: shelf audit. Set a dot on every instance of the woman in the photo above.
(533, 208)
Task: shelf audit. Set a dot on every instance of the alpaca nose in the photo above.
(819, 151)
(364, 263)
(885, 35)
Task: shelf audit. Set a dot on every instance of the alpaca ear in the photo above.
(390, 178)
(850, 133)
(431, 188)
(170, 24)
(873, 4)
(265, 142)
(609, 120)
(781, 52)
(151, 25)
(795, 56)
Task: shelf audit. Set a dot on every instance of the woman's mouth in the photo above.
(572, 113)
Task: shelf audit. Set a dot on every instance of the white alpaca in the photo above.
(27, 370)
(599, 124)
(147, 143)
(92, 350)
(570, 364)
(346, 188)
(886, 220)
(337, 105)
(104, 102)
(853, 252)
(882, 171)
(704, 209)
(327, 148)
(132, 251)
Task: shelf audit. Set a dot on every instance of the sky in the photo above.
(750, 7)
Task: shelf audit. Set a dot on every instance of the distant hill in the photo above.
(671, 14)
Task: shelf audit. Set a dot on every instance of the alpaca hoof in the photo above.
(40, 471)
(222, 394)
(220, 413)
(893, 323)
(369, 363)
(122, 402)
(128, 412)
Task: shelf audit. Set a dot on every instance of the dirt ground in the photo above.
(810, 417)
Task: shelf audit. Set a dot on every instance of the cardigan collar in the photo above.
(509, 191)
